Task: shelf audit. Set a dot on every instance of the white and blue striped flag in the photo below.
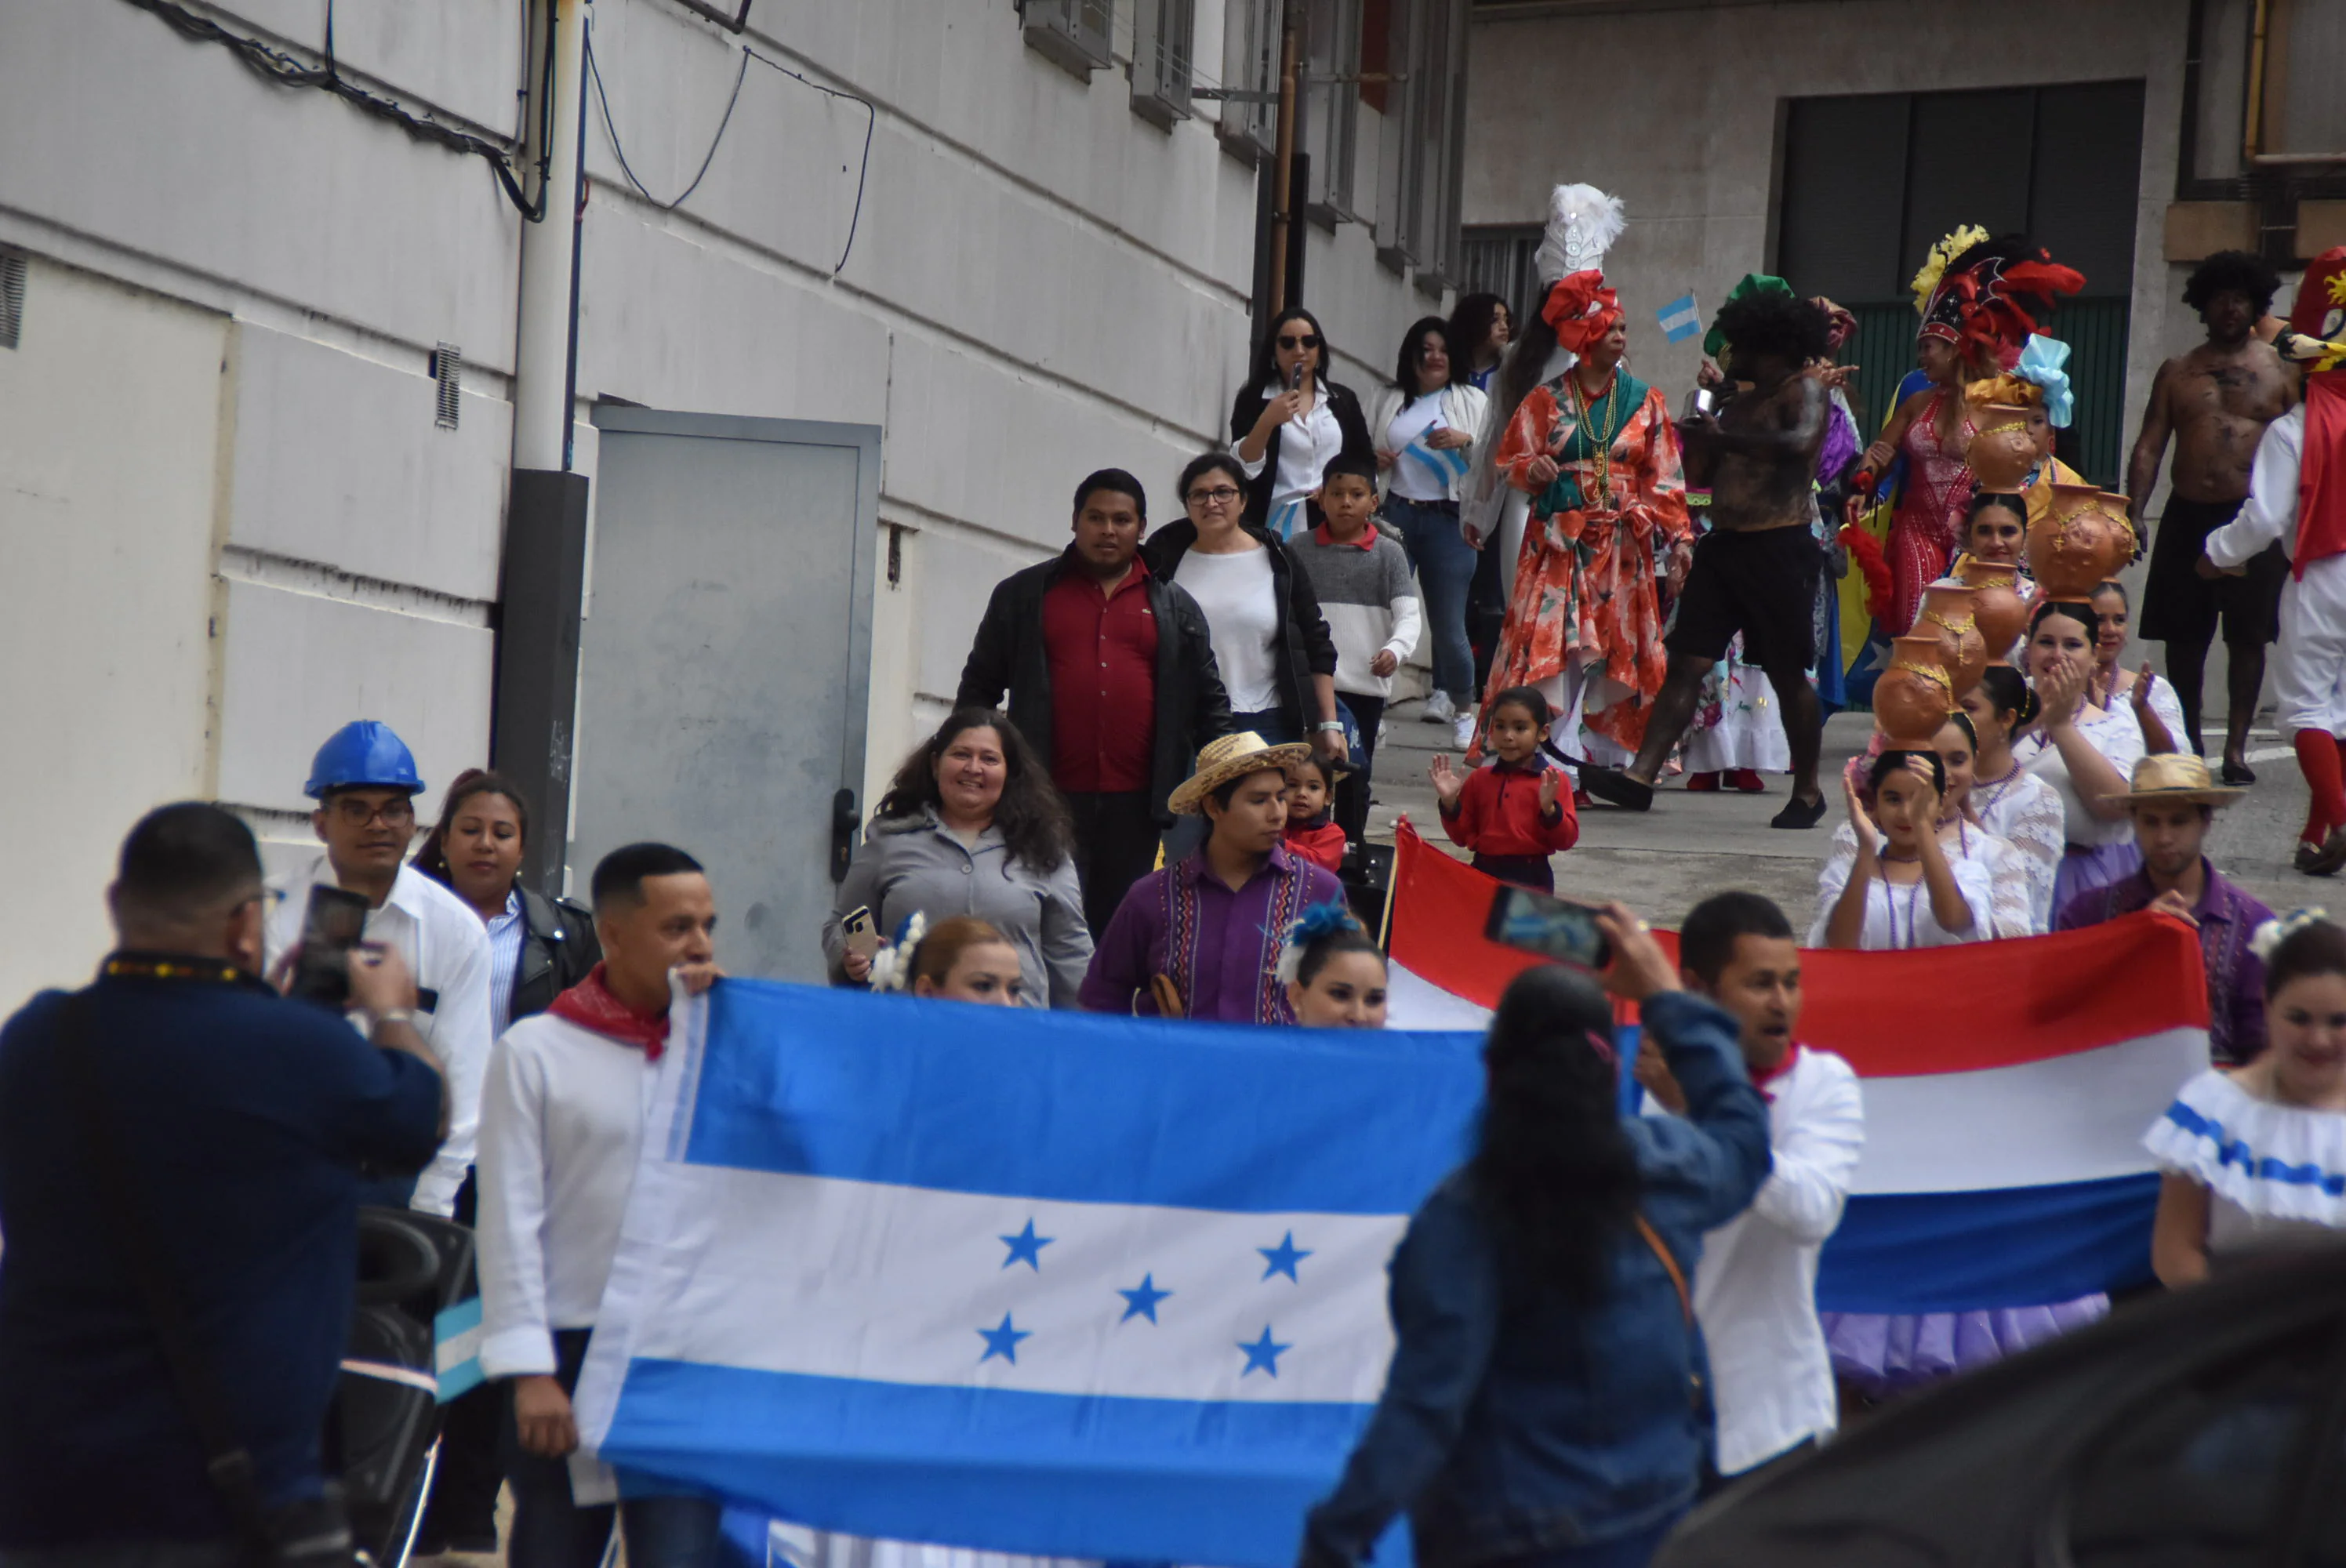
(1681, 318)
(1021, 1281)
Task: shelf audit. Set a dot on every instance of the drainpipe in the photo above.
(543, 565)
(1282, 199)
(2253, 133)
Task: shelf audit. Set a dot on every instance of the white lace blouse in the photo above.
(2026, 813)
(1901, 917)
(2114, 732)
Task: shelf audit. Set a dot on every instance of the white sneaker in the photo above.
(1462, 735)
(1439, 709)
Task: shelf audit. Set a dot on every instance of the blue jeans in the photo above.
(1445, 567)
(550, 1530)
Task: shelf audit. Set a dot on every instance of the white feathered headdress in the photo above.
(1582, 224)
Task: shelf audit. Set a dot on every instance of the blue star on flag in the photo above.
(1141, 1301)
(1261, 1356)
(1028, 1247)
(1283, 1257)
(1004, 1342)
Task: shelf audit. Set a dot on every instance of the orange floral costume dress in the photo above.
(1585, 579)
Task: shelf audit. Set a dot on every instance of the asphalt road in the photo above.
(1662, 861)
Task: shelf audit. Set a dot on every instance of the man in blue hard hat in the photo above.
(364, 782)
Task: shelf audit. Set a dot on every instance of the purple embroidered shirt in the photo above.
(1220, 946)
(2236, 977)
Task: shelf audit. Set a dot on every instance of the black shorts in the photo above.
(2179, 605)
(1761, 583)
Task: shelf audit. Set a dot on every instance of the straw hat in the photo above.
(2176, 776)
(1232, 757)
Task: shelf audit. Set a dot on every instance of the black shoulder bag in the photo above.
(313, 1533)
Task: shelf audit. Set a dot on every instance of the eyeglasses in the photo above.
(357, 813)
(1303, 342)
(1219, 495)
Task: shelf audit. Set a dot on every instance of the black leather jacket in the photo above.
(558, 946)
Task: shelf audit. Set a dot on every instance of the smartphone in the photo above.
(862, 932)
(1295, 377)
(1554, 928)
(331, 927)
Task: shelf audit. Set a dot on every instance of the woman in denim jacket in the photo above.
(1546, 1403)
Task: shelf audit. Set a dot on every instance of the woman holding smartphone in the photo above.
(1289, 420)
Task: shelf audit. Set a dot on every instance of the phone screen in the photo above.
(331, 927)
(1552, 927)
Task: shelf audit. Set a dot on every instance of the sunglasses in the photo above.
(1303, 342)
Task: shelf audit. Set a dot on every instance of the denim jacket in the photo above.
(1512, 1426)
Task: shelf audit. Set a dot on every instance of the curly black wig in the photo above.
(2232, 272)
(1760, 325)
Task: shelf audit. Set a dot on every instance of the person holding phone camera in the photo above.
(1289, 420)
(365, 781)
(179, 1156)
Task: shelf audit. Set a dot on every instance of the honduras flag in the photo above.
(1021, 1281)
(1680, 318)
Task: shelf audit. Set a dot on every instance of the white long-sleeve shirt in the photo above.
(1755, 1291)
(447, 949)
(562, 1121)
(2269, 516)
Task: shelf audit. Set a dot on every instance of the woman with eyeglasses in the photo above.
(1424, 425)
(1272, 645)
(1289, 420)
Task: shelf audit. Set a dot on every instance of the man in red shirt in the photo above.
(1110, 676)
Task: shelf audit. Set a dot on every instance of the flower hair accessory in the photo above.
(2280, 929)
(892, 966)
(1318, 922)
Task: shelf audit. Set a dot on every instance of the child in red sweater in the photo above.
(1516, 813)
(1311, 830)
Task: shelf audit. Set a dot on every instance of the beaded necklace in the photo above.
(1586, 411)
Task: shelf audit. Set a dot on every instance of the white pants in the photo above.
(2309, 665)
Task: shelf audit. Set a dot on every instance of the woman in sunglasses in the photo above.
(1289, 421)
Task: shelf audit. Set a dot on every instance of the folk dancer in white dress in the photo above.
(2007, 800)
(2157, 707)
(2083, 751)
(2255, 1158)
(2011, 912)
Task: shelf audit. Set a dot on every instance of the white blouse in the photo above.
(1306, 445)
(1240, 599)
(1900, 917)
(2254, 1157)
(2026, 813)
(2112, 731)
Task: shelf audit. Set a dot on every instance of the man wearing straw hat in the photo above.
(1200, 938)
(2173, 802)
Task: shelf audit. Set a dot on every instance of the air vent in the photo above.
(448, 370)
(12, 298)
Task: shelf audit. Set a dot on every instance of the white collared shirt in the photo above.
(506, 933)
(1755, 1291)
(562, 1121)
(1307, 444)
(448, 952)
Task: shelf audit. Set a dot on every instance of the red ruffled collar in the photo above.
(590, 1005)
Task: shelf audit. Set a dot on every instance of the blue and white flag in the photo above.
(1021, 1281)
(1444, 466)
(1681, 318)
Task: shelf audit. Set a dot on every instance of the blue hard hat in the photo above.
(364, 754)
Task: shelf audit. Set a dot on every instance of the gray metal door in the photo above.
(724, 660)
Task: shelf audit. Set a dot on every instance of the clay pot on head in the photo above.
(1996, 605)
(2002, 451)
(1913, 697)
(2080, 540)
(1949, 614)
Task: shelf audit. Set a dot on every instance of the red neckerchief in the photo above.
(591, 1005)
(2321, 484)
(1760, 1081)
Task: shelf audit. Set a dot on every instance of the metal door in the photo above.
(724, 660)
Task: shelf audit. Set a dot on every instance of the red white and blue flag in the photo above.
(2007, 1088)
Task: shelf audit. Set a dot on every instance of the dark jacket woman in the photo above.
(558, 946)
(1519, 1423)
(1305, 646)
(1331, 404)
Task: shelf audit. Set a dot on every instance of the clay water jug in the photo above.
(1996, 605)
(1949, 614)
(1913, 697)
(2002, 454)
(2080, 540)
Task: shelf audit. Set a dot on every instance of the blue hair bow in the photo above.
(1321, 920)
(2044, 361)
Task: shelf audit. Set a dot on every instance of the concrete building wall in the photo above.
(1677, 110)
(1041, 283)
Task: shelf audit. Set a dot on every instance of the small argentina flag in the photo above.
(1681, 318)
(456, 1349)
(1050, 1283)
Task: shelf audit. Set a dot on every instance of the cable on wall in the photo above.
(611, 129)
(274, 64)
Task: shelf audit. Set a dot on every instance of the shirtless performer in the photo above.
(1756, 571)
(2216, 401)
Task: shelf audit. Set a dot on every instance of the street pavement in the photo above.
(1661, 862)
